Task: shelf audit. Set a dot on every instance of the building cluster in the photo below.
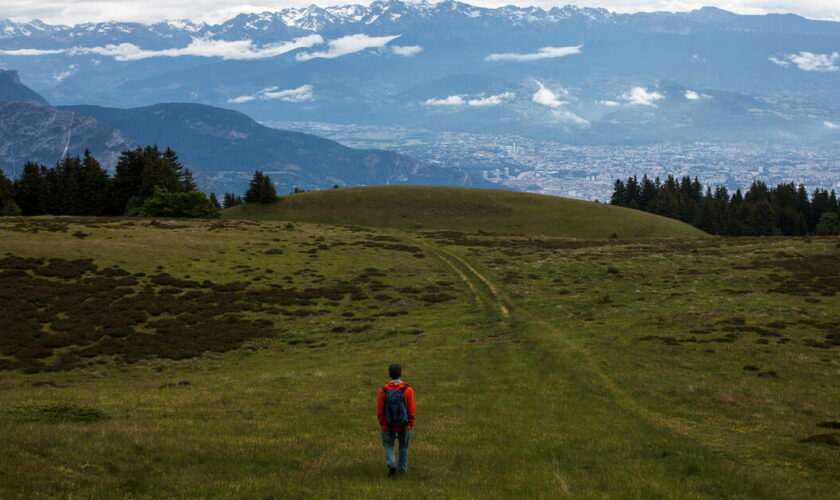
(589, 172)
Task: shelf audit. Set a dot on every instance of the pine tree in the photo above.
(95, 185)
(759, 219)
(7, 196)
(142, 170)
(260, 190)
(31, 190)
(648, 194)
(66, 187)
(229, 200)
(188, 181)
(619, 196)
(215, 201)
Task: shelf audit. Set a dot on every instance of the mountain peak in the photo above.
(11, 89)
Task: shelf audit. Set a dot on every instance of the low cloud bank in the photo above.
(808, 61)
(693, 95)
(347, 45)
(199, 47)
(547, 97)
(642, 97)
(303, 93)
(234, 50)
(406, 50)
(541, 53)
(479, 101)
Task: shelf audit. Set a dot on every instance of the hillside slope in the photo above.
(35, 132)
(227, 146)
(464, 209)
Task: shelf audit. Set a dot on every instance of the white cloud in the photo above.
(831, 125)
(808, 61)
(480, 101)
(693, 95)
(547, 97)
(780, 62)
(70, 71)
(493, 100)
(453, 100)
(640, 96)
(199, 47)
(241, 99)
(407, 50)
(565, 115)
(303, 93)
(542, 53)
(31, 52)
(348, 45)
(609, 103)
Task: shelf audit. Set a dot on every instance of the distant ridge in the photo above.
(11, 89)
(467, 210)
(214, 140)
(223, 147)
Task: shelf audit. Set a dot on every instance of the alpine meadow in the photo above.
(419, 250)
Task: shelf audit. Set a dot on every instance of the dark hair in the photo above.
(395, 371)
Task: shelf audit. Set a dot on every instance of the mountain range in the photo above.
(223, 147)
(576, 75)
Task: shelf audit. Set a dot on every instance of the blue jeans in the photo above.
(404, 438)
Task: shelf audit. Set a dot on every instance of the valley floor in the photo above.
(543, 367)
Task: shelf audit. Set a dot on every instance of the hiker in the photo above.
(396, 412)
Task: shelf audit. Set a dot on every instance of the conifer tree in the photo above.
(188, 181)
(7, 196)
(215, 201)
(260, 190)
(95, 185)
(31, 190)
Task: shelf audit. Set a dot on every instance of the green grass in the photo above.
(463, 209)
(557, 398)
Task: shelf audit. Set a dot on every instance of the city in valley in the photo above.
(589, 172)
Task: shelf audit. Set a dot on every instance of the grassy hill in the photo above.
(237, 359)
(464, 209)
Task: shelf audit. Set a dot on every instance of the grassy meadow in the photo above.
(245, 358)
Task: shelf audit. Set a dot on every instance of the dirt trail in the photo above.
(484, 291)
(494, 299)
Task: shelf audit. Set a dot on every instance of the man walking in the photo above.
(396, 412)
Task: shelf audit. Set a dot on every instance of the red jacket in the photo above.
(408, 395)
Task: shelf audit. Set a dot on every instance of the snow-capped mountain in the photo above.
(569, 73)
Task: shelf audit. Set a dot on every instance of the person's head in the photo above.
(395, 371)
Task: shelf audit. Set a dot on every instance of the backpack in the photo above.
(396, 414)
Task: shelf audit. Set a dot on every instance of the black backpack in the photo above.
(396, 414)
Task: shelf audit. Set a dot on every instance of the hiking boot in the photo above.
(392, 472)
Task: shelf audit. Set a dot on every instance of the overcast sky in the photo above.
(76, 11)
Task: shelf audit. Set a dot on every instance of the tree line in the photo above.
(146, 181)
(786, 209)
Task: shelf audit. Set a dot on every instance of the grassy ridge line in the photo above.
(465, 209)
